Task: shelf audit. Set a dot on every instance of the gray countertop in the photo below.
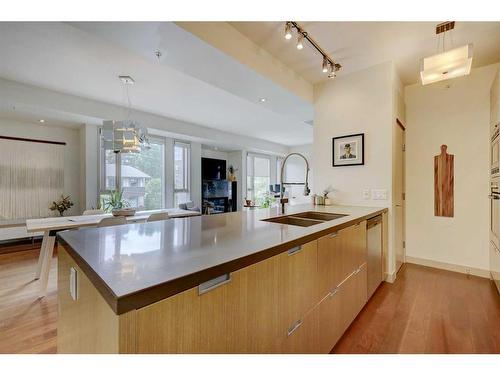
(136, 264)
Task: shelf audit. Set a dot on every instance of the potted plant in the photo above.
(61, 205)
(327, 201)
(115, 204)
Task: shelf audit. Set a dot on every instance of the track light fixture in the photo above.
(325, 65)
(288, 31)
(329, 65)
(300, 41)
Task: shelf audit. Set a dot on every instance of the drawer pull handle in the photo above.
(333, 292)
(294, 327)
(333, 235)
(294, 250)
(73, 283)
(209, 285)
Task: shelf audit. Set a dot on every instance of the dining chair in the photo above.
(93, 212)
(110, 221)
(158, 216)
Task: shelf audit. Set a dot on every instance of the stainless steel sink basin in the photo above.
(323, 216)
(305, 219)
(291, 220)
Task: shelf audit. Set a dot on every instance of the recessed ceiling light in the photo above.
(263, 100)
(41, 121)
(128, 80)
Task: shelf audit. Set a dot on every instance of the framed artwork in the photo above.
(348, 150)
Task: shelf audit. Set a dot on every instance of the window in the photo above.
(140, 176)
(181, 172)
(258, 177)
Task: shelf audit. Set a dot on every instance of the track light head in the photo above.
(300, 41)
(288, 31)
(325, 65)
(331, 71)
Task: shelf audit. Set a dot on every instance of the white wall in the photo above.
(71, 136)
(455, 113)
(213, 154)
(89, 158)
(360, 102)
(13, 128)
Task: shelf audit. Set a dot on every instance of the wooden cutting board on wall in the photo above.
(443, 183)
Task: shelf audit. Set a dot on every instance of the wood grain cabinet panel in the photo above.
(339, 255)
(302, 337)
(263, 296)
(354, 247)
(330, 262)
(330, 325)
(223, 313)
(171, 325)
(352, 293)
(298, 291)
(85, 324)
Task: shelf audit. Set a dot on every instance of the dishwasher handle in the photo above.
(370, 223)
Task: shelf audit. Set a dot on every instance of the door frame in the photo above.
(403, 198)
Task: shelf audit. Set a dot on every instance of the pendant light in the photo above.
(124, 136)
(449, 64)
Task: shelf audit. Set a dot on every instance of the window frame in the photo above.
(253, 155)
(101, 189)
(186, 188)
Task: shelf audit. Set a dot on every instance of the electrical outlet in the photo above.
(379, 194)
(366, 194)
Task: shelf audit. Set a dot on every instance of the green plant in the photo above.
(61, 205)
(266, 200)
(114, 201)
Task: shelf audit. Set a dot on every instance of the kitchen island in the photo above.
(230, 283)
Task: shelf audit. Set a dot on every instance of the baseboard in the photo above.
(449, 266)
(390, 277)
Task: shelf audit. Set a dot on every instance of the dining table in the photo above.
(51, 225)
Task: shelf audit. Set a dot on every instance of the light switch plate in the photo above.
(366, 194)
(379, 194)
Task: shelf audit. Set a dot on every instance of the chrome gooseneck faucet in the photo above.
(284, 200)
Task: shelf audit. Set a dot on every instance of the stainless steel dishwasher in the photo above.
(374, 256)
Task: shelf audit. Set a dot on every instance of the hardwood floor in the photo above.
(425, 311)
(27, 324)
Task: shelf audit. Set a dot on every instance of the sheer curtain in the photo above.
(31, 177)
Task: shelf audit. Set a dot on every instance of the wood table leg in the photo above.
(41, 257)
(44, 277)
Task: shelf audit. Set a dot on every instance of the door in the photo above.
(399, 191)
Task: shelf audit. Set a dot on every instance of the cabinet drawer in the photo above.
(223, 312)
(330, 327)
(298, 291)
(302, 336)
(352, 293)
(339, 255)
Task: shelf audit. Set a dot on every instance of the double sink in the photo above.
(305, 219)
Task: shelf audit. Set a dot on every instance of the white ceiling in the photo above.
(30, 114)
(359, 45)
(85, 59)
